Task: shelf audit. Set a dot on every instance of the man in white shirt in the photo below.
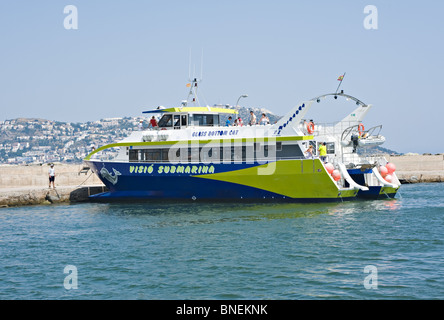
(51, 173)
(252, 119)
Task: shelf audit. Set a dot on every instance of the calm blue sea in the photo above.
(387, 249)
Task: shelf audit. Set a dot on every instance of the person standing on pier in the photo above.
(51, 173)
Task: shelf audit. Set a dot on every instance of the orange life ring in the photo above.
(361, 129)
(310, 127)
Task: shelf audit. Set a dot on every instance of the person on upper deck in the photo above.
(153, 122)
(252, 119)
(264, 120)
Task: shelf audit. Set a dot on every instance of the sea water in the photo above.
(385, 249)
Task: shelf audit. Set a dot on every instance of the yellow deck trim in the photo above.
(197, 109)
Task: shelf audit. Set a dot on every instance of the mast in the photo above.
(193, 83)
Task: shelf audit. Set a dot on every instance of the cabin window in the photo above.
(199, 120)
(152, 155)
(236, 154)
(148, 155)
(204, 120)
(288, 151)
(184, 120)
(206, 154)
(166, 121)
(315, 150)
(165, 155)
(246, 153)
(176, 121)
(193, 154)
(209, 154)
(330, 147)
(133, 155)
(215, 120)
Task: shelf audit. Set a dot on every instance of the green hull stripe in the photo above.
(387, 190)
(291, 178)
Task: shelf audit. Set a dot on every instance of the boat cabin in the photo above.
(180, 118)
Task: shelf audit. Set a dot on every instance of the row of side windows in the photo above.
(251, 152)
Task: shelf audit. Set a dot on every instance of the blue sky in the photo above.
(130, 56)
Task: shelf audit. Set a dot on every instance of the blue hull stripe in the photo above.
(138, 181)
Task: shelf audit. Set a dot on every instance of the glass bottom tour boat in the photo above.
(191, 154)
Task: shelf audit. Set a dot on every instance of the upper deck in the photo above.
(183, 117)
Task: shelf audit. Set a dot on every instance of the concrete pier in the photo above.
(34, 196)
(29, 185)
(419, 168)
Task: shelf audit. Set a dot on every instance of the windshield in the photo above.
(166, 121)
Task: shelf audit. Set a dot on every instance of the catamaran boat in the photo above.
(195, 154)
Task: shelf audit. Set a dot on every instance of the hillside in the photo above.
(40, 141)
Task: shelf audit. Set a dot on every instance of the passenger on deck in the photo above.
(355, 141)
(264, 120)
(153, 122)
(309, 152)
(252, 119)
(323, 152)
(228, 122)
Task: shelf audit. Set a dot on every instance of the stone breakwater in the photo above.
(33, 196)
(419, 168)
(28, 185)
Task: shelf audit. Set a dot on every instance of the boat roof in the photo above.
(194, 110)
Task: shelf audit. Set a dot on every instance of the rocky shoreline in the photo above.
(28, 185)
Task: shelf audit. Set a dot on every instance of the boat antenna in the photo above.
(193, 85)
(189, 67)
(341, 78)
(201, 66)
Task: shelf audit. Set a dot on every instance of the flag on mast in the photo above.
(340, 79)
